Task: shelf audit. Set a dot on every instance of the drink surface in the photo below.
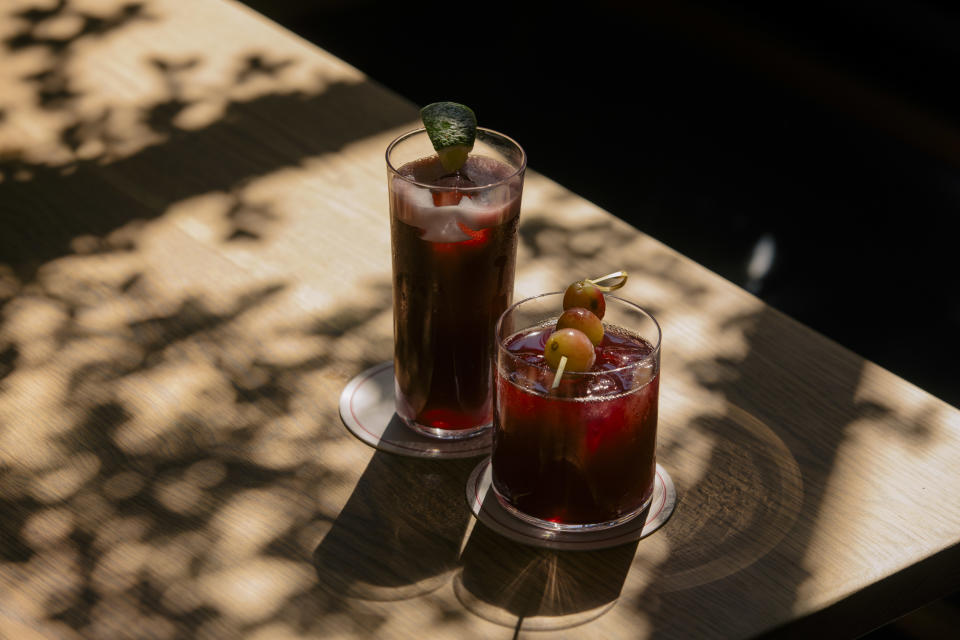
(584, 452)
(460, 206)
(454, 253)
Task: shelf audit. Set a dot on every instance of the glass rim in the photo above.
(422, 130)
(581, 374)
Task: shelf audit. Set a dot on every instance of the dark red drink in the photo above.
(583, 453)
(454, 239)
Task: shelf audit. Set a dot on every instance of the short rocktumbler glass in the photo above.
(581, 455)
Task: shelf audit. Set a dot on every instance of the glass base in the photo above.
(368, 409)
(562, 526)
(446, 434)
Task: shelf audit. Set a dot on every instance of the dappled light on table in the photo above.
(195, 261)
(163, 422)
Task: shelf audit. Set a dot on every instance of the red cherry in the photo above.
(572, 343)
(584, 320)
(584, 293)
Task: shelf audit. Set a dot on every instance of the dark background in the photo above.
(829, 130)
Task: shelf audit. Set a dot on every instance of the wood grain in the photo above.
(194, 261)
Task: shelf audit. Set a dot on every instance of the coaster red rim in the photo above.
(367, 410)
(489, 511)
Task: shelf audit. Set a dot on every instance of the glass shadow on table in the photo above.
(400, 533)
(533, 588)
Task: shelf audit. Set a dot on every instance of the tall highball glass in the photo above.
(454, 246)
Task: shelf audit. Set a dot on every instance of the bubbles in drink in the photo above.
(626, 356)
(603, 385)
(621, 349)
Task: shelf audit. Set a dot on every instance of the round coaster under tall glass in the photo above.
(576, 451)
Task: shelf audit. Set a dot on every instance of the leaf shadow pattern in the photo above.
(158, 457)
(763, 481)
(161, 505)
(100, 186)
(188, 166)
(546, 238)
(529, 588)
(257, 64)
(399, 534)
(54, 88)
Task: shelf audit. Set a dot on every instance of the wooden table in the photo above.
(194, 261)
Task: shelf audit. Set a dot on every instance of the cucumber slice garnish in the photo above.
(452, 128)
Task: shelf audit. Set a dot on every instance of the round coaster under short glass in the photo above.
(485, 506)
(367, 408)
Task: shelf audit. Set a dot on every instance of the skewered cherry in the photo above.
(574, 345)
(583, 320)
(586, 294)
